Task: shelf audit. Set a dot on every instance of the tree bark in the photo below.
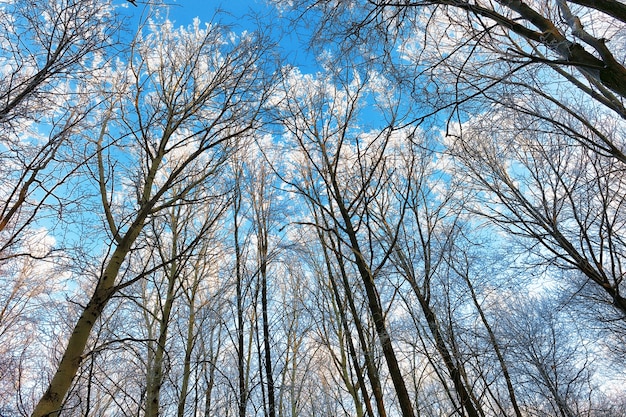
(376, 310)
(241, 372)
(50, 403)
(431, 319)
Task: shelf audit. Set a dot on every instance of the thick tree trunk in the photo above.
(50, 403)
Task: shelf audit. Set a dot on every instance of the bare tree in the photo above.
(263, 203)
(554, 193)
(535, 79)
(241, 289)
(548, 359)
(234, 245)
(183, 99)
(176, 240)
(339, 172)
(51, 50)
(561, 35)
(338, 279)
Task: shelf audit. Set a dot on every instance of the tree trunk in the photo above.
(496, 347)
(155, 375)
(372, 372)
(376, 310)
(431, 319)
(50, 403)
(241, 373)
(184, 388)
(266, 336)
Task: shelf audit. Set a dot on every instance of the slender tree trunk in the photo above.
(496, 347)
(155, 375)
(431, 319)
(210, 375)
(290, 368)
(344, 320)
(370, 366)
(352, 352)
(455, 373)
(344, 367)
(561, 403)
(293, 401)
(376, 310)
(241, 362)
(378, 316)
(189, 345)
(266, 336)
(262, 247)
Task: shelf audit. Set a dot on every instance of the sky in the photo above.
(182, 12)
(238, 13)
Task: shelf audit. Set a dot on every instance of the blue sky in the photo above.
(182, 12)
(238, 13)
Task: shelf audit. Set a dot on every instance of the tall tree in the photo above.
(52, 50)
(241, 289)
(427, 229)
(263, 200)
(548, 70)
(184, 97)
(342, 170)
(176, 239)
(549, 356)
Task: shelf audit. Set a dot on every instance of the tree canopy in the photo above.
(318, 208)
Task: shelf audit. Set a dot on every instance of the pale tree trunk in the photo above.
(353, 355)
(342, 364)
(290, 386)
(155, 374)
(50, 403)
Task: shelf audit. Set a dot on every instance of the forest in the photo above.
(316, 208)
